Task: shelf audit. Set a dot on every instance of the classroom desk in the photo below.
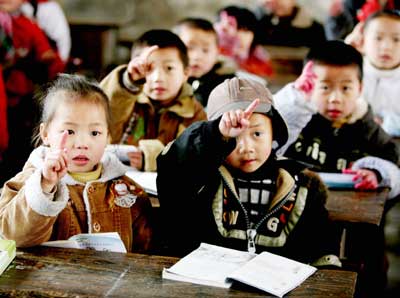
(49, 272)
(357, 206)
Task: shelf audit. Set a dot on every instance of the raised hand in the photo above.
(356, 37)
(306, 81)
(234, 122)
(365, 179)
(55, 164)
(139, 66)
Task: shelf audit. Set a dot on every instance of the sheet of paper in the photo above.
(145, 179)
(208, 265)
(97, 241)
(272, 273)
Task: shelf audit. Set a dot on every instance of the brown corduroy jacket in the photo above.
(31, 217)
(152, 129)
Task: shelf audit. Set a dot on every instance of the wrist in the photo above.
(47, 186)
(129, 83)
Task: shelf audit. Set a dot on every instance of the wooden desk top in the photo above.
(49, 272)
(357, 206)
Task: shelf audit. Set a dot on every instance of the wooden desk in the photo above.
(357, 206)
(49, 272)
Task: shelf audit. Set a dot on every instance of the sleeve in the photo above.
(296, 111)
(142, 227)
(122, 101)
(389, 172)
(27, 215)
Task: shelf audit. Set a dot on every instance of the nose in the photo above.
(81, 141)
(334, 97)
(157, 75)
(244, 145)
(195, 54)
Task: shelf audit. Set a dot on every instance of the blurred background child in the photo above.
(378, 38)
(238, 39)
(69, 185)
(151, 101)
(205, 69)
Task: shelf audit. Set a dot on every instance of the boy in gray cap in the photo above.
(228, 188)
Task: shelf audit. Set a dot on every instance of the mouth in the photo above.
(80, 160)
(247, 162)
(159, 90)
(334, 113)
(385, 58)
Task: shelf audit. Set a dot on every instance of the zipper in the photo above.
(251, 233)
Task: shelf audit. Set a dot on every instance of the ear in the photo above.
(43, 134)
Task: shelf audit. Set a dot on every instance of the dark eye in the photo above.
(95, 133)
(70, 131)
(169, 68)
(257, 133)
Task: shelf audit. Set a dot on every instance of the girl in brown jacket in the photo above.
(69, 185)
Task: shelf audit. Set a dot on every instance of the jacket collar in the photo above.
(184, 105)
(284, 184)
(112, 167)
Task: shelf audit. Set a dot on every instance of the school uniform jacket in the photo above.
(30, 217)
(199, 202)
(359, 143)
(151, 129)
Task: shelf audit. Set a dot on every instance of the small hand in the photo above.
(136, 159)
(234, 122)
(365, 179)
(139, 66)
(55, 164)
(356, 37)
(306, 81)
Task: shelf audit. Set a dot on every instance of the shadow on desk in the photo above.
(49, 272)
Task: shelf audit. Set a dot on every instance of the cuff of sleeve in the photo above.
(327, 260)
(39, 201)
(128, 84)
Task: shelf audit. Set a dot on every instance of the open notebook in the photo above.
(219, 267)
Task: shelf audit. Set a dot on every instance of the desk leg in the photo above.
(342, 253)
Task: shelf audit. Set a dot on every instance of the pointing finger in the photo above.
(63, 140)
(250, 109)
(147, 52)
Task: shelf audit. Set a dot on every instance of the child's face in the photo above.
(165, 76)
(382, 43)
(253, 146)
(87, 133)
(336, 91)
(10, 5)
(202, 49)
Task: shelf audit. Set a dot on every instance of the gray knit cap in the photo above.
(238, 93)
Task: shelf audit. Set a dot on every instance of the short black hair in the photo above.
(245, 19)
(163, 39)
(335, 53)
(389, 13)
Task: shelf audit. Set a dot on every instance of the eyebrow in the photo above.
(75, 124)
(255, 125)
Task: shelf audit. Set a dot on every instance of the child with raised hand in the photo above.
(151, 102)
(69, 185)
(206, 69)
(229, 188)
(378, 38)
(331, 126)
